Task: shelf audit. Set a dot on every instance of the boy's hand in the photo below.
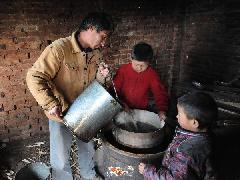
(126, 108)
(162, 115)
(141, 167)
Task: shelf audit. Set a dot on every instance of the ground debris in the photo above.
(16, 155)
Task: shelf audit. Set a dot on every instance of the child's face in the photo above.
(139, 66)
(185, 122)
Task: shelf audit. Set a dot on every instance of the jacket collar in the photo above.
(180, 130)
(75, 45)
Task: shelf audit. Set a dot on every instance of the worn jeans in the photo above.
(60, 147)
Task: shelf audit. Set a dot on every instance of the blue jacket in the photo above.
(187, 157)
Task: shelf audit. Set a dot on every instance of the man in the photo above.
(63, 70)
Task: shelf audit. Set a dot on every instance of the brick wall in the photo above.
(210, 44)
(27, 27)
(179, 31)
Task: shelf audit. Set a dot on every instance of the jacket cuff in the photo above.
(50, 105)
(103, 80)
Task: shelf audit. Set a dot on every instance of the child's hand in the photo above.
(141, 167)
(162, 115)
(126, 108)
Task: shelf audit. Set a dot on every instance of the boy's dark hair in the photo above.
(99, 20)
(142, 52)
(200, 106)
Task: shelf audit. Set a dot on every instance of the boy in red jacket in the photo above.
(136, 81)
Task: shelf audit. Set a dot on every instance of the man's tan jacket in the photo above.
(61, 73)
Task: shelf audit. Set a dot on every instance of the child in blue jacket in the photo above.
(189, 154)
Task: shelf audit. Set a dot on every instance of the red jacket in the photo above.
(134, 88)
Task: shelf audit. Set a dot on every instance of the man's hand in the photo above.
(103, 69)
(162, 115)
(56, 111)
(141, 167)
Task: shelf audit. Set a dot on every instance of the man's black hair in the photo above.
(200, 106)
(142, 52)
(99, 20)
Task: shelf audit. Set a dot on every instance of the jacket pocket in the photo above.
(72, 66)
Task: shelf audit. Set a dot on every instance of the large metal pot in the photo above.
(116, 162)
(140, 129)
(91, 111)
(34, 171)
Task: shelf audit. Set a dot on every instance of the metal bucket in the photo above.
(91, 111)
(34, 171)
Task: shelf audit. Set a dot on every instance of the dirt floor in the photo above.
(16, 155)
